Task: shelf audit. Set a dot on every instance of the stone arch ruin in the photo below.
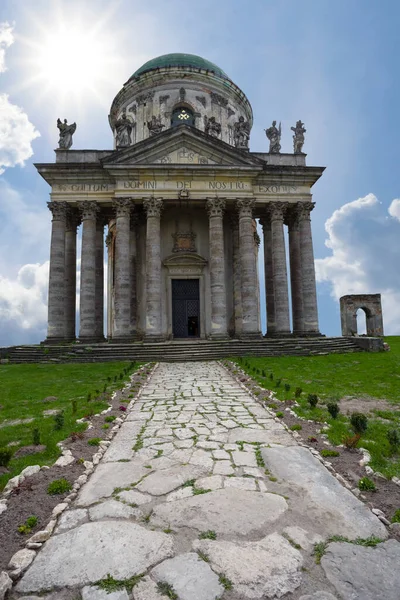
(370, 304)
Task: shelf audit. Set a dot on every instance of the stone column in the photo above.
(73, 221)
(56, 298)
(122, 281)
(295, 270)
(153, 208)
(282, 321)
(215, 208)
(100, 276)
(250, 316)
(110, 280)
(133, 275)
(310, 309)
(237, 282)
(269, 275)
(87, 327)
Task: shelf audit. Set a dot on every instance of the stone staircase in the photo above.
(174, 351)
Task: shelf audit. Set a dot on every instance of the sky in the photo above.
(335, 65)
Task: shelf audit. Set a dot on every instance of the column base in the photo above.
(129, 339)
(91, 339)
(154, 338)
(55, 341)
(278, 334)
(310, 334)
(219, 337)
(256, 335)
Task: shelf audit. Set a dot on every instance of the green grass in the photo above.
(360, 375)
(23, 389)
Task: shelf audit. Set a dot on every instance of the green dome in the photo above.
(179, 60)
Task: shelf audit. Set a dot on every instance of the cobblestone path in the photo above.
(206, 495)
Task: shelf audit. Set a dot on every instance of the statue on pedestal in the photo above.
(274, 133)
(211, 127)
(66, 133)
(155, 126)
(298, 138)
(123, 132)
(241, 133)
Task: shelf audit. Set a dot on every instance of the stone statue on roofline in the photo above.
(155, 126)
(123, 132)
(274, 133)
(241, 133)
(211, 126)
(66, 133)
(298, 137)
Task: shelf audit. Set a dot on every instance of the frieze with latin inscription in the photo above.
(83, 187)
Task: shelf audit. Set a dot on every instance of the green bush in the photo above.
(5, 456)
(333, 409)
(59, 420)
(298, 392)
(279, 414)
(94, 441)
(325, 453)
(59, 486)
(295, 427)
(359, 422)
(278, 382)
(36, 436)
(312, 400)
(74, 406)
(396, 516)
(393, 439)
(366, 485)
(31, 521)
(287, 387)
(110, 419)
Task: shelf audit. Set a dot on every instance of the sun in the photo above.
(75, 59)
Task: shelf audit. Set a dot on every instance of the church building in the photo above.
(180, 193)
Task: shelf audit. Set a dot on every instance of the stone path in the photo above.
(206, 495)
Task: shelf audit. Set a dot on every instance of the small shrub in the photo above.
(89, 397)
(351, 441)
(393, 439)
(208, 535)
(94, 441)
(298, 392)
(333, 409)
(59, 486)
(278, 382)
(312, 400)
(359, 422)
(36, 436)
(105, 387)
(279, 414)
(105, 426)
(263, 373)
(272, 405)
(287, 387)
(396, 516)
(296, 427)
(31, 521)
(110, 419)
(366, 485)
(325, 453)
(27, 527)
(5, 456)
(74, 406)
(59, 420)
(271, 376)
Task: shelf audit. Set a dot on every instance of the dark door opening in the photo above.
(185, 308)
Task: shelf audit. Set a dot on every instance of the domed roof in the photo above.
(179, 60)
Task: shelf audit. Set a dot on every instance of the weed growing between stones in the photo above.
(203, 556)
(396, 516)
(198, 491)
(189, 483)
(29, 524)
(159, 453)
(366, 485)
(167, 590)
(241, 445)
(168, 530)
(225, 582)
(59, 486)
(109, 584)
(139, 442)
(292, 542)
(259, 458)
(208, 535)
(146, 518)
(320, 547)
(325, 453)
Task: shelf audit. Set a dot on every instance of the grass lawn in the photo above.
(80, 389)
(360, 375)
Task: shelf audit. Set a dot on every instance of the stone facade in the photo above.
(372, 307)
(180, 202)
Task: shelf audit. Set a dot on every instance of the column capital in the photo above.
(245, 206)
(153, 206)
(88, 209)
(304, 209)
(73, 219)
(292, 217)
(215, 207)
(277, 210)
(123, 206)
(265, 221)
(59, 210)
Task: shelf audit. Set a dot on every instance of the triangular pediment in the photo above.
(182, 146)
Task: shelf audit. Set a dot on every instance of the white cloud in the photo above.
(365, 254)
(16, 131)
(23, 302)
(6, 39)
